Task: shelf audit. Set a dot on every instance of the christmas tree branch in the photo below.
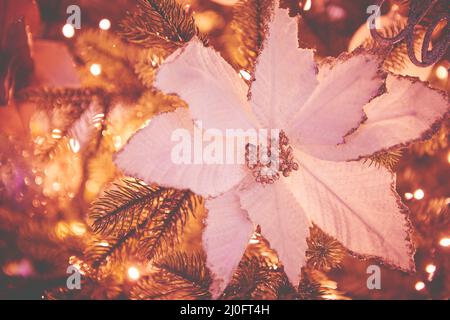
(160, 23)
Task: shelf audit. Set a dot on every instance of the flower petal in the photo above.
(225, 238)
(283, 222)
(285, 75)
(357, 204)
(149, 156)
(335, 108)
(214, 91)
(410, 111)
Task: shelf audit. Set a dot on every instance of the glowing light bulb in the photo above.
(78, 228)
(56, 186)
(74, 145)
(445, 242)
(133, 273)
(409, 196)
(104, 244)
(419, 194)
(431, 268)
(245, 74)
(104, 24)
(308, 5)
(56, 134)
(68, 31)
(419, 286)
(441, 72)
(95, 69)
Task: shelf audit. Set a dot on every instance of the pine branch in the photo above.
(315, 285)
(124, 206)
(175, 277)
(168, 222)
(256, 279)
(51, 98)
(324, 252)
(91, 288)
(109, 255)
(142, 220)
(117, 60)
(387, 159)
(250, 23)
(72, 113)
(160, 24)
(309, 288)
(439, 141)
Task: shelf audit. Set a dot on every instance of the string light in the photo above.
(38, 180)
(74, 145)
(408, 195)
(68, 30)
(419, 286)
(56, 186)
(78, 228)
(117, 140)
(419, 194)
(56, 134)
(133, 273)
(442, 73)
(245, 74)
(307, 6)
(445, 242)
(95, 69)
(104, 244)
(430, 268)
(104, 24)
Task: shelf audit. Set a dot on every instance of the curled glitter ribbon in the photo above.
(417, 11)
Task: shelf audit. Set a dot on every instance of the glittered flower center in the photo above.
(267, 162)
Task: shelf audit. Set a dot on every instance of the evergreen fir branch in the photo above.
(91, 289)
(309, 288)
(51, 98)
(324, 252)
(179, 276)
(315, 285)
(70, 111)
(124, 206)
(117, 60)
(250, 23)
(168, 221)
(160, 24)
(148, 62)
(387, 159)
(256, 279)
(439, 141)
(144, 221)
(109, 255)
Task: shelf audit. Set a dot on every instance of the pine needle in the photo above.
(324, 252)
(124, 206)
(117, 59)
(256, 279)
(138, 220)
(163, 24)
(179, 276)
(387, 159)
(168, 222)
(68, 109)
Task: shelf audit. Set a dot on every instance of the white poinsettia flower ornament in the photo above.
(331, 116)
